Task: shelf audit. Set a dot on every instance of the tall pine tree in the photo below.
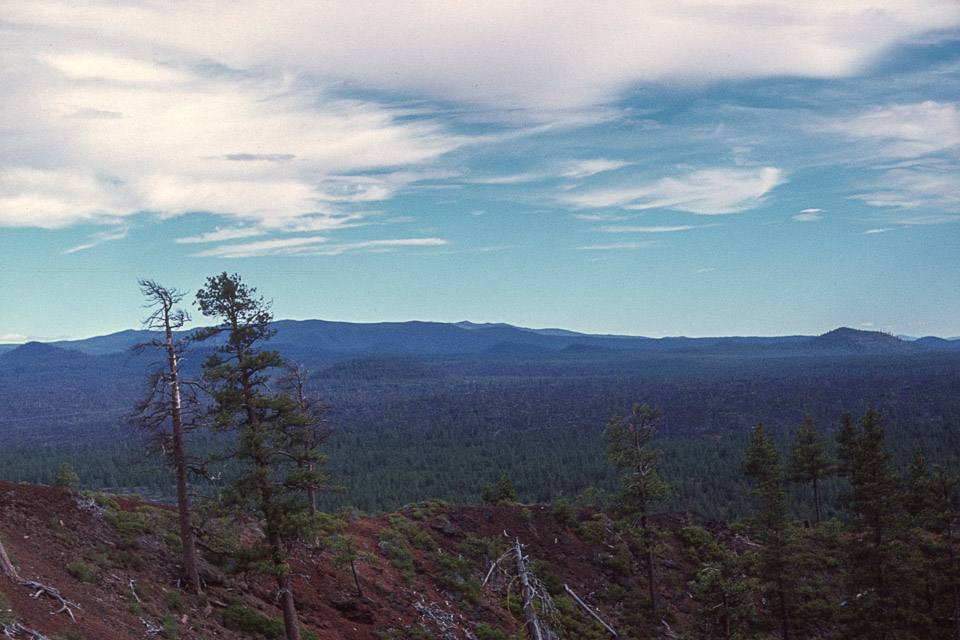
(268, 426)
(629, 446)
(779, 560)
(878, 592)
(809, 460)
(163, 413)
(932, 501)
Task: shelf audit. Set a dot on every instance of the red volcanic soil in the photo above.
(45, 530)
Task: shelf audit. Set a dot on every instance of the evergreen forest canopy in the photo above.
(411, 423)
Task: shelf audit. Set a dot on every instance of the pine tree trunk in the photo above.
(652, 587)
(180, 466)
(816, 498)
(726, 616)
(952, 574)
(291, 623)
(784, 623)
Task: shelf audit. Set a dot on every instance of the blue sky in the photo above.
(685, 168)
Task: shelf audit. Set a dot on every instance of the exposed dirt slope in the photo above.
(105, 564)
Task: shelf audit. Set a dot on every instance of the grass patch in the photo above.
(396, 550)
(7, 616)
(239, 618)
(81, 571)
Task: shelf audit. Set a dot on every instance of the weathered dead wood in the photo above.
(38, 589)
(495, 566)
(540, 630)
(589, 610)
(447, 622)
(9, 631)
(151, 628)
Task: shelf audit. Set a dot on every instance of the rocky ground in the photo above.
(428, 569)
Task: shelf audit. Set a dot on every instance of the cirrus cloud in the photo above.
(313, 246)
(704, 191)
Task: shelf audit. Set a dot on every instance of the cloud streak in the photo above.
(705, 191)
(622, 246)
(314, 246)
(516, 55)
(640, 229)
(263, 148)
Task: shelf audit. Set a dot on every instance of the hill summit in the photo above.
(845, 339)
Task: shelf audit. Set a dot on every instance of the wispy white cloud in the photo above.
(703, 191)
(706, 270)
(920, 189)
(587, 168)
(908, 153)
(616, 246)
(521, 55)
(873, 231)
(317, 245)
(809, 215)
(638, 229)
(219, 235)
(100, 238)
(256, 146)
(603, 217)
(514, 178)
(905, 130)
(285, 246)
(13, 337)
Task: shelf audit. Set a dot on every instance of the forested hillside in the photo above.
(408, 427)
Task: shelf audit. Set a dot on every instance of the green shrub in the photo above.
(486, 549)
(411, 633)
(564, 513)
(66, 477)
(502, 492)
(141, 593)
(488, 632)
(549, 579)
(170, 626)
(620, 561)
(104, 500)
(173, 542)
(575, 623)
(131, 559)
(592, 532)
(81, 571)
(454, 576)
(699, 546)
(416, 536)
(239, 618)
(327, 525)
(174, 601)
(7, 616)
(394, 546)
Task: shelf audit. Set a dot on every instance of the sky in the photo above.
(698, 168)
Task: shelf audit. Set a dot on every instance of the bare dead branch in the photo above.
(38, 588)
(592, 613)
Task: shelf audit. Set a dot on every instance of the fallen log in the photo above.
(39, 589)
(590, 611)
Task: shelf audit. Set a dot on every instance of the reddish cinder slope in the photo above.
(47, 530)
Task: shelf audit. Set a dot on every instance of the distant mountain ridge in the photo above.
(346, 339)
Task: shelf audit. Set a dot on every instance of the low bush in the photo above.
(81, 571)
(239, 618)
